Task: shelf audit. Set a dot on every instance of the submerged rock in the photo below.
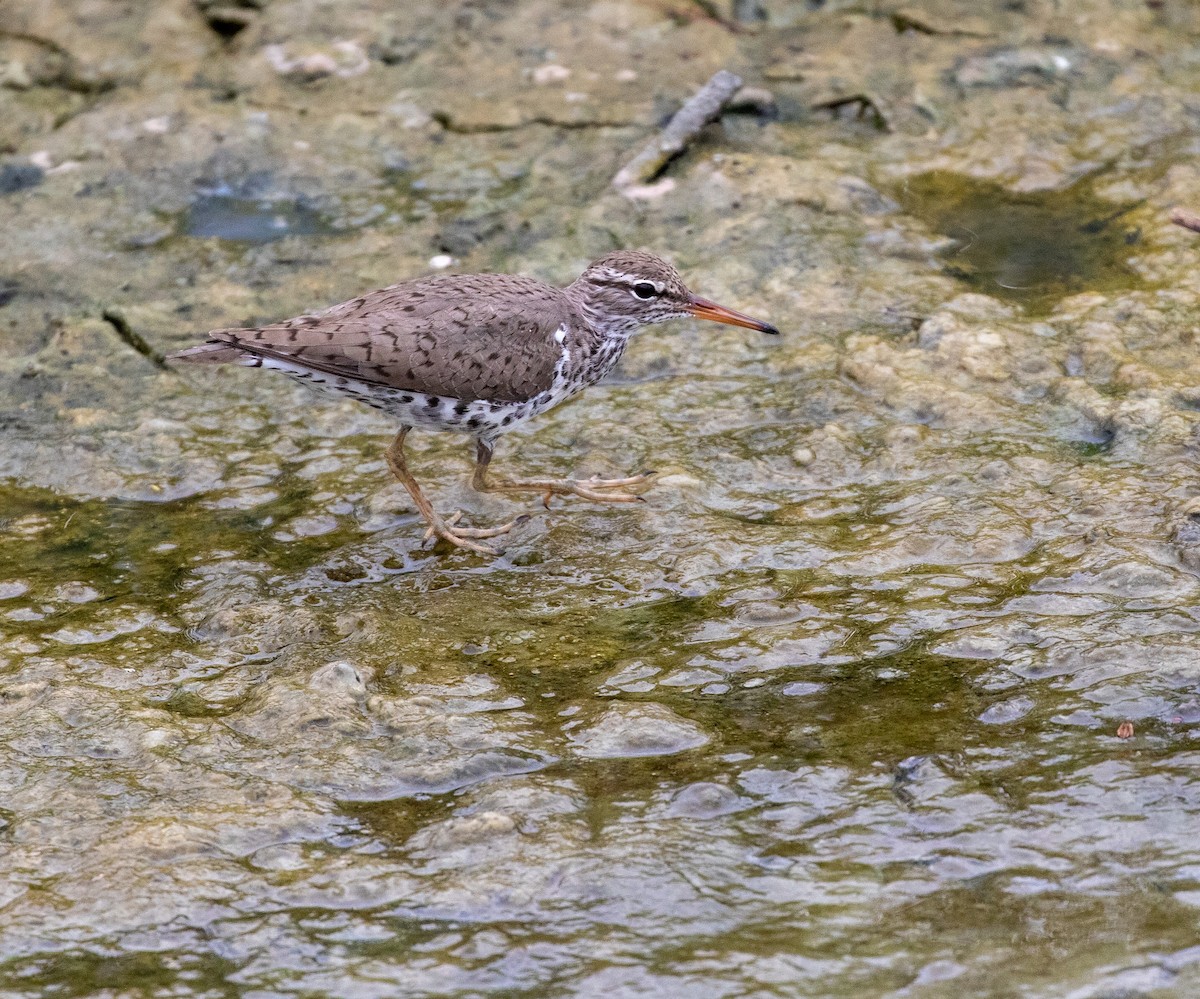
(629, 730)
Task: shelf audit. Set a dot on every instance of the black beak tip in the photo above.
(768, 328)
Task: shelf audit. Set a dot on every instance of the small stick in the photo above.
(701, 108)
(1185, 218)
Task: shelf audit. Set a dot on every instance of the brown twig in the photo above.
(701, 108)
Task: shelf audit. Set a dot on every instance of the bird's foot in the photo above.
(596, 489)
(447, 529)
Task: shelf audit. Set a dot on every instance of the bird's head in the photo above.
(626, 289)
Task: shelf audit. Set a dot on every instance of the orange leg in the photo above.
(443, 527)
(595, 489)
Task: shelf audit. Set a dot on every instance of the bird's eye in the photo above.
(644, 290)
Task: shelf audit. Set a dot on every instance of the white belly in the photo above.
(418, 409)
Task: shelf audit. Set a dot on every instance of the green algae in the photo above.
(80, 974)
(1031, 247)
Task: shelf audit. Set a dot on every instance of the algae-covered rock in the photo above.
(833, 712)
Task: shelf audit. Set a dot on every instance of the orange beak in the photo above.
(702, 308)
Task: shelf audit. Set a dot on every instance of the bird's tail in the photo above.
(213, 352)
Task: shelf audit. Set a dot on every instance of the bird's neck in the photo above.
(599, 340)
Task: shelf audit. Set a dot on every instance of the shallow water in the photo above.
(248, 220)
(834, 713)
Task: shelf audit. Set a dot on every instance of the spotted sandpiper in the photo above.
(478, 353)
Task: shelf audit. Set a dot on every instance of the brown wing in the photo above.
(466, 336)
